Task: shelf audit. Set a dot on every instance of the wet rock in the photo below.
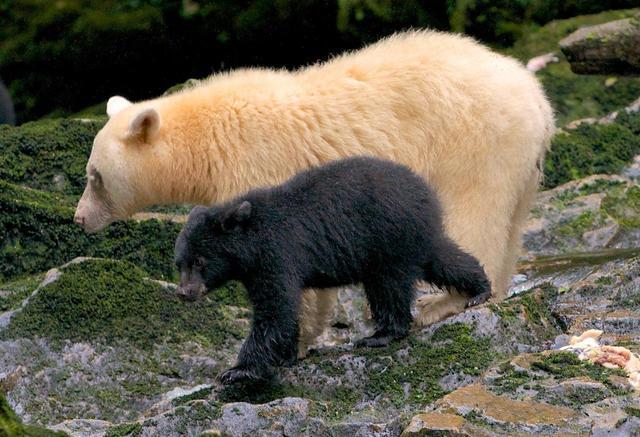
(169, 389)
(83, 427)
(581, 390)
(587, 215)
(282, 417)
(609, 48)
(549, 393)
(431, 423)
(527, 416)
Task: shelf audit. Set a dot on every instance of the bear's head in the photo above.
(115, 184)
(212, 248)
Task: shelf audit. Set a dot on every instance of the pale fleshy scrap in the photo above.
(589, 348)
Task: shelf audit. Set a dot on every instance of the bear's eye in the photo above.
(95, 177)
(199, 262)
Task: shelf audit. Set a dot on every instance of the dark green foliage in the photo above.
(575, 96)
(34, 153)
(11, 426)
(504, 21)
(14, 292)
(38, 233)
(59, 57)
(592, 149)
(112, 301)
(63, 56)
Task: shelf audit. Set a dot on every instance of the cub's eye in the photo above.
(199, 262)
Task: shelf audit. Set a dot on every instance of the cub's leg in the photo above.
(273, 339)
(390, 294)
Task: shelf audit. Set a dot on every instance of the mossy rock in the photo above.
(12, 426)
(49, 155)
(624, 207)
(12, 293)
(402, 377)
(38, 233)
(593, 149)
(114, 302)
(574, 96)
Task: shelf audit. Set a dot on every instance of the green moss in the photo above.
(532, 305)
(34, 153)
(125, 430)
(623, 206)
(11, 426)
(506, 313)
(200, 394)
(598, 186)
(577, 226)
(113, 302)
(592, 149)
(14, 292)
(632, 411)
(565, 365)
(631, 302)
(407, 384)
(604, 280)
(510, 379)
(38, 233)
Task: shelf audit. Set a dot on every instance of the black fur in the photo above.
(7, 114)
(355, 220)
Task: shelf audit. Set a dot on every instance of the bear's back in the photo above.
(367, 193)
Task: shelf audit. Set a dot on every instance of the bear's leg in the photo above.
(316, 308)
(449, 266)
(514, 244)
(273, 339)
(390, 295)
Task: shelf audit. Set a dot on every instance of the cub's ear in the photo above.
(144, 125)
(237, 216)
(117, 104)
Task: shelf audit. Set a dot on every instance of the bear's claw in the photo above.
(378, 339)
(479, 299)
(238, 374)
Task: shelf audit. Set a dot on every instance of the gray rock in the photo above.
(609, 48)
(83, 427)
(580, 216)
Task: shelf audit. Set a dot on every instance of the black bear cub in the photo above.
(357, 220)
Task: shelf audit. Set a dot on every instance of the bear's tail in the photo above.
(450, 266)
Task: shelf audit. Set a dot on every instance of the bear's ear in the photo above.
(117, 104)
(144, 125)
(237, 216)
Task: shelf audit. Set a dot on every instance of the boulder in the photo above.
(609, 48)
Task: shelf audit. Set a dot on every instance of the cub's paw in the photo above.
(379, 339)
(479, 299)
(237, 375)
